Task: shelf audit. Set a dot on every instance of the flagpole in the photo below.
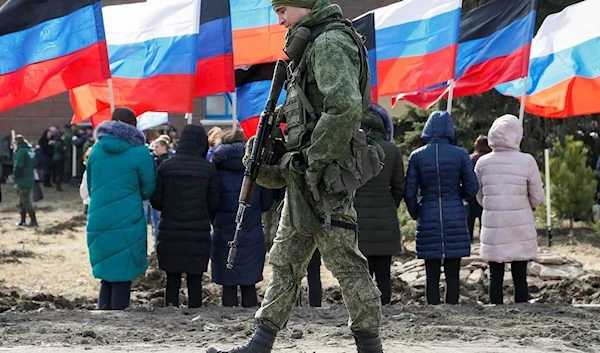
(523, 99)
(233, 111)
(548, 198)
(73, 161)
(450, 96)
(532, 4)
(189, 117)
(111, 93)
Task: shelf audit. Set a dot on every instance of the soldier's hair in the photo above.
(229, 137)
(125, 115)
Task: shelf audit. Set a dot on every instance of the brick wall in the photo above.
(30, 120)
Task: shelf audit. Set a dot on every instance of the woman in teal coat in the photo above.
(120, 174)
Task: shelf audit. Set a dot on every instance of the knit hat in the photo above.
(307, 4)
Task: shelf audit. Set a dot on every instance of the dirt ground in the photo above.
(47, 291)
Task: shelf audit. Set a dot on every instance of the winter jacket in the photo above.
(249, 263)
(598, 178)
(47, 150)
(510, 186)
(59, 151)
(120, 174)
(187, 194)
(83, 189)
(473, 204)
(210, 152)
(24, 163)
(377, 201)
(444, 176)
(159, 159)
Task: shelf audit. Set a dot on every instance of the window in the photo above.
(218, 108)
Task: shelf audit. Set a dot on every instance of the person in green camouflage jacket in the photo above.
(311, 217)
(24, 162)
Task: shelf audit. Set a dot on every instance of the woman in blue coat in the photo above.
(250, 259)
(442, 175)
(120, 174)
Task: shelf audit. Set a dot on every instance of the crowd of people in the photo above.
(189, 191)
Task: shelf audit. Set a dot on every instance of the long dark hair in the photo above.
(481, 145)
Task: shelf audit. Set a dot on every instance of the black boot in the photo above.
(33, 222)
(368, 343)
(23, 222)
(261, 342)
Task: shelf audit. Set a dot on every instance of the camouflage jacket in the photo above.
(333, 89)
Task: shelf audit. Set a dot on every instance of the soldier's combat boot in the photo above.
(366, 343)
(33, 222)
(261, 342)
(23, 222)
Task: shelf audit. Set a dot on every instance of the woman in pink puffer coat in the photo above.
(510, 186)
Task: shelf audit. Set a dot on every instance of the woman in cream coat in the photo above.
(510, 187)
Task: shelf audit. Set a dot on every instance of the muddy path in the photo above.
(465, 328)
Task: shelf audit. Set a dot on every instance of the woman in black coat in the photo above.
(187, 194)
(46, 143)
(58, 159)
(481, 148)
(377, 203)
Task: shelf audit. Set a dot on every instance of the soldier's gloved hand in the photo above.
(313, 178)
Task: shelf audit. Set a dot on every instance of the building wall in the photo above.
(30, 120)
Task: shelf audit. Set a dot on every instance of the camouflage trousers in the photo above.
(25, 205)
(289, 258)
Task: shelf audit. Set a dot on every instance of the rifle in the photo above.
(262, 152)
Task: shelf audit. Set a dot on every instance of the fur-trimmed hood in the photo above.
(378, 120)
(229, 156)
(117, 137)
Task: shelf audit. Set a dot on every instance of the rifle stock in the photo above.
(260, 153)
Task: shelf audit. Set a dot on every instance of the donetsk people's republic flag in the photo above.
(48, 47)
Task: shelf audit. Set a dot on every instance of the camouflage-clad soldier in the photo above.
(316, 211)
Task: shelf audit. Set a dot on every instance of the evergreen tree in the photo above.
(573, 182)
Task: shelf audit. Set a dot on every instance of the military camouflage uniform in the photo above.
(332, 87)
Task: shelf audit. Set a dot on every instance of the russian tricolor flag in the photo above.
(494, 46)
(415, 41)
(152, 49)
(257, 36)
(214, 69)
(48, 47)
(252, 91)
(564, 68)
